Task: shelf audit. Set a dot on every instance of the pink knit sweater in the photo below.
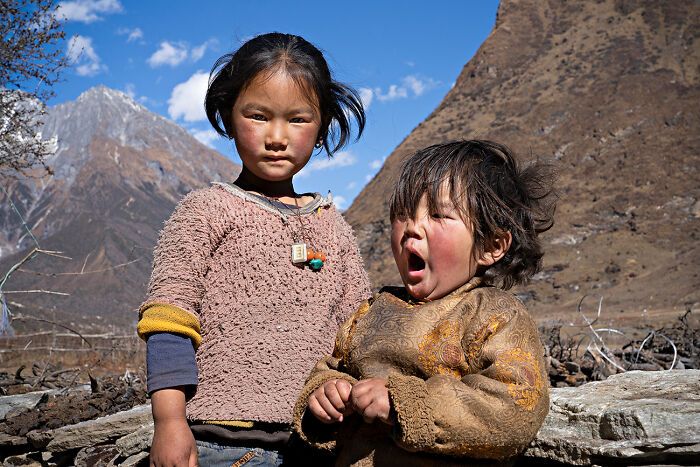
(224, 257)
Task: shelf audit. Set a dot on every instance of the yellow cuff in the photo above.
(161, 317)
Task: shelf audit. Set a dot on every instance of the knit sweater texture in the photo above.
(466, 378)
(222, 272)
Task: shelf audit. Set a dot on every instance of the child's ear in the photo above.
(499, 248)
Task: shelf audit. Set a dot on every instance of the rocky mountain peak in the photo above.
(608, 91)
(118, 172)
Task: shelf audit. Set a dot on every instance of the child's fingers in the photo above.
(318, 411)
(344, 389)
(360, 400)
(333, 395)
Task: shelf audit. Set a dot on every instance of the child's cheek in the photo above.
(307, 136)
(449, 248)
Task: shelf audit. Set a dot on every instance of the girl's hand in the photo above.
(329, 402)
(173, 445)
(370, 398)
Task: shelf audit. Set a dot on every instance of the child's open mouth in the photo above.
(415, 263)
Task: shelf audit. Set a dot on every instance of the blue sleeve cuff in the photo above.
(170, 362)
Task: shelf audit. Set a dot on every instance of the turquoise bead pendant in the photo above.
(315, 264)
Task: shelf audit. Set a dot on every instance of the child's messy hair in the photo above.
(493, 196)
(305, 64)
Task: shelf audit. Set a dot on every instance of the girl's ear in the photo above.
(499, 248)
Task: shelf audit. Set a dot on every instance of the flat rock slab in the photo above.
(643, 416)
(139, 440)
(29, 399)
(92, 432)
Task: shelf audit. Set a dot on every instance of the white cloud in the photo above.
(339, 159)
(87, 11)
(412, 83)
(168, 54)
(132, 34)
(198, 52)
(340, 202)
(80, 52)
(206, 137)
(174, 53)
(366, 95)
(135, 34)
(395, 92)
(418, 85)
(377, 163)
(351, 185)
(130, 90)
(368, 177)
(187, 99)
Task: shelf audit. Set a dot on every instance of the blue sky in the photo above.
(403, 57)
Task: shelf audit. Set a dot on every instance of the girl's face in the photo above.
(434, 252)
(275, 127)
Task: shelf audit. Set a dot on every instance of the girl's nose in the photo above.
(276, 138)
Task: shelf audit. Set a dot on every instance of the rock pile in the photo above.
(76, 425)
(633, 418)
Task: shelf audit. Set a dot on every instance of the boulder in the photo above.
(642, 416)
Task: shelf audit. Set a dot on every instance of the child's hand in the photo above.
(370, 398)
(329, 402)
(173, 445)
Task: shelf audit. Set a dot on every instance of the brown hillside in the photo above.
(608, 90)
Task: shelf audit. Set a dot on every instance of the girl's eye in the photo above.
(437, 215)
(258, 117)
(297, 120)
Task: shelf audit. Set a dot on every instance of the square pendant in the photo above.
(299, 253)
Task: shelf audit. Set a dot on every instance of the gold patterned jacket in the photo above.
(465, 373)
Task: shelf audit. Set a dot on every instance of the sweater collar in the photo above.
(276, 207)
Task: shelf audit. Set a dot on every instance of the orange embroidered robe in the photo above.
(465, 373)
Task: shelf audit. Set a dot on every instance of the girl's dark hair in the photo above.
(305, 64)
(493, 196)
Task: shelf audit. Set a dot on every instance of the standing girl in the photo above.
(251, 279)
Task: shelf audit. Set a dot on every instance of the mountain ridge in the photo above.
(119, 170)
(608, 91)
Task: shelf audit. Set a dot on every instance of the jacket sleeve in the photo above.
(355, 281)
(180, 261)
(330, 367)
(494, 410)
